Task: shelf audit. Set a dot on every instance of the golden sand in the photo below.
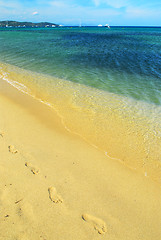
(123, 129)
(53, 185)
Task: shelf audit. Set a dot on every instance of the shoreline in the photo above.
(55, 185)
(121, 128)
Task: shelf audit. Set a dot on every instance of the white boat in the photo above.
(107, 25)
(99, 25)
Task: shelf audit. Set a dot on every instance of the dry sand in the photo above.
(54, 186)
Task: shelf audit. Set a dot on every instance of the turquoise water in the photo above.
(105, 84)
(125, 61)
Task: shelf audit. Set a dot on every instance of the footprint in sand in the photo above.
(98, 224)
(54, 197)
(12, 149)
(33, 169)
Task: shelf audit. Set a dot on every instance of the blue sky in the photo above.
(92, 12)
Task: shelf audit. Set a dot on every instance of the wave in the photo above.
(123, 128)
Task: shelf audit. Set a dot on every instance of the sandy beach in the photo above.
(53, 185)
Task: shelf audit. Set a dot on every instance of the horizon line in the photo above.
(83, 25)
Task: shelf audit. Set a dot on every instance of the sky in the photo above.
(84, 12)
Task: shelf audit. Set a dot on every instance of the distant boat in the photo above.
(107, 25)
(99, 25)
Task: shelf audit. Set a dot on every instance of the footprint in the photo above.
(33, 169)
(54, 197)
(97, 223)
(12, 149)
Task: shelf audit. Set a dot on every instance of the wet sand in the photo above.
(54, 185)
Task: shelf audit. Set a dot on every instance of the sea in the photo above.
(105, 84)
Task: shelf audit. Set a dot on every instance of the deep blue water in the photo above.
(121, 60)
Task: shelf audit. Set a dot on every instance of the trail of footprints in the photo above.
(98, 224)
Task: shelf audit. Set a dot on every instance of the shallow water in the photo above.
(104, 83)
